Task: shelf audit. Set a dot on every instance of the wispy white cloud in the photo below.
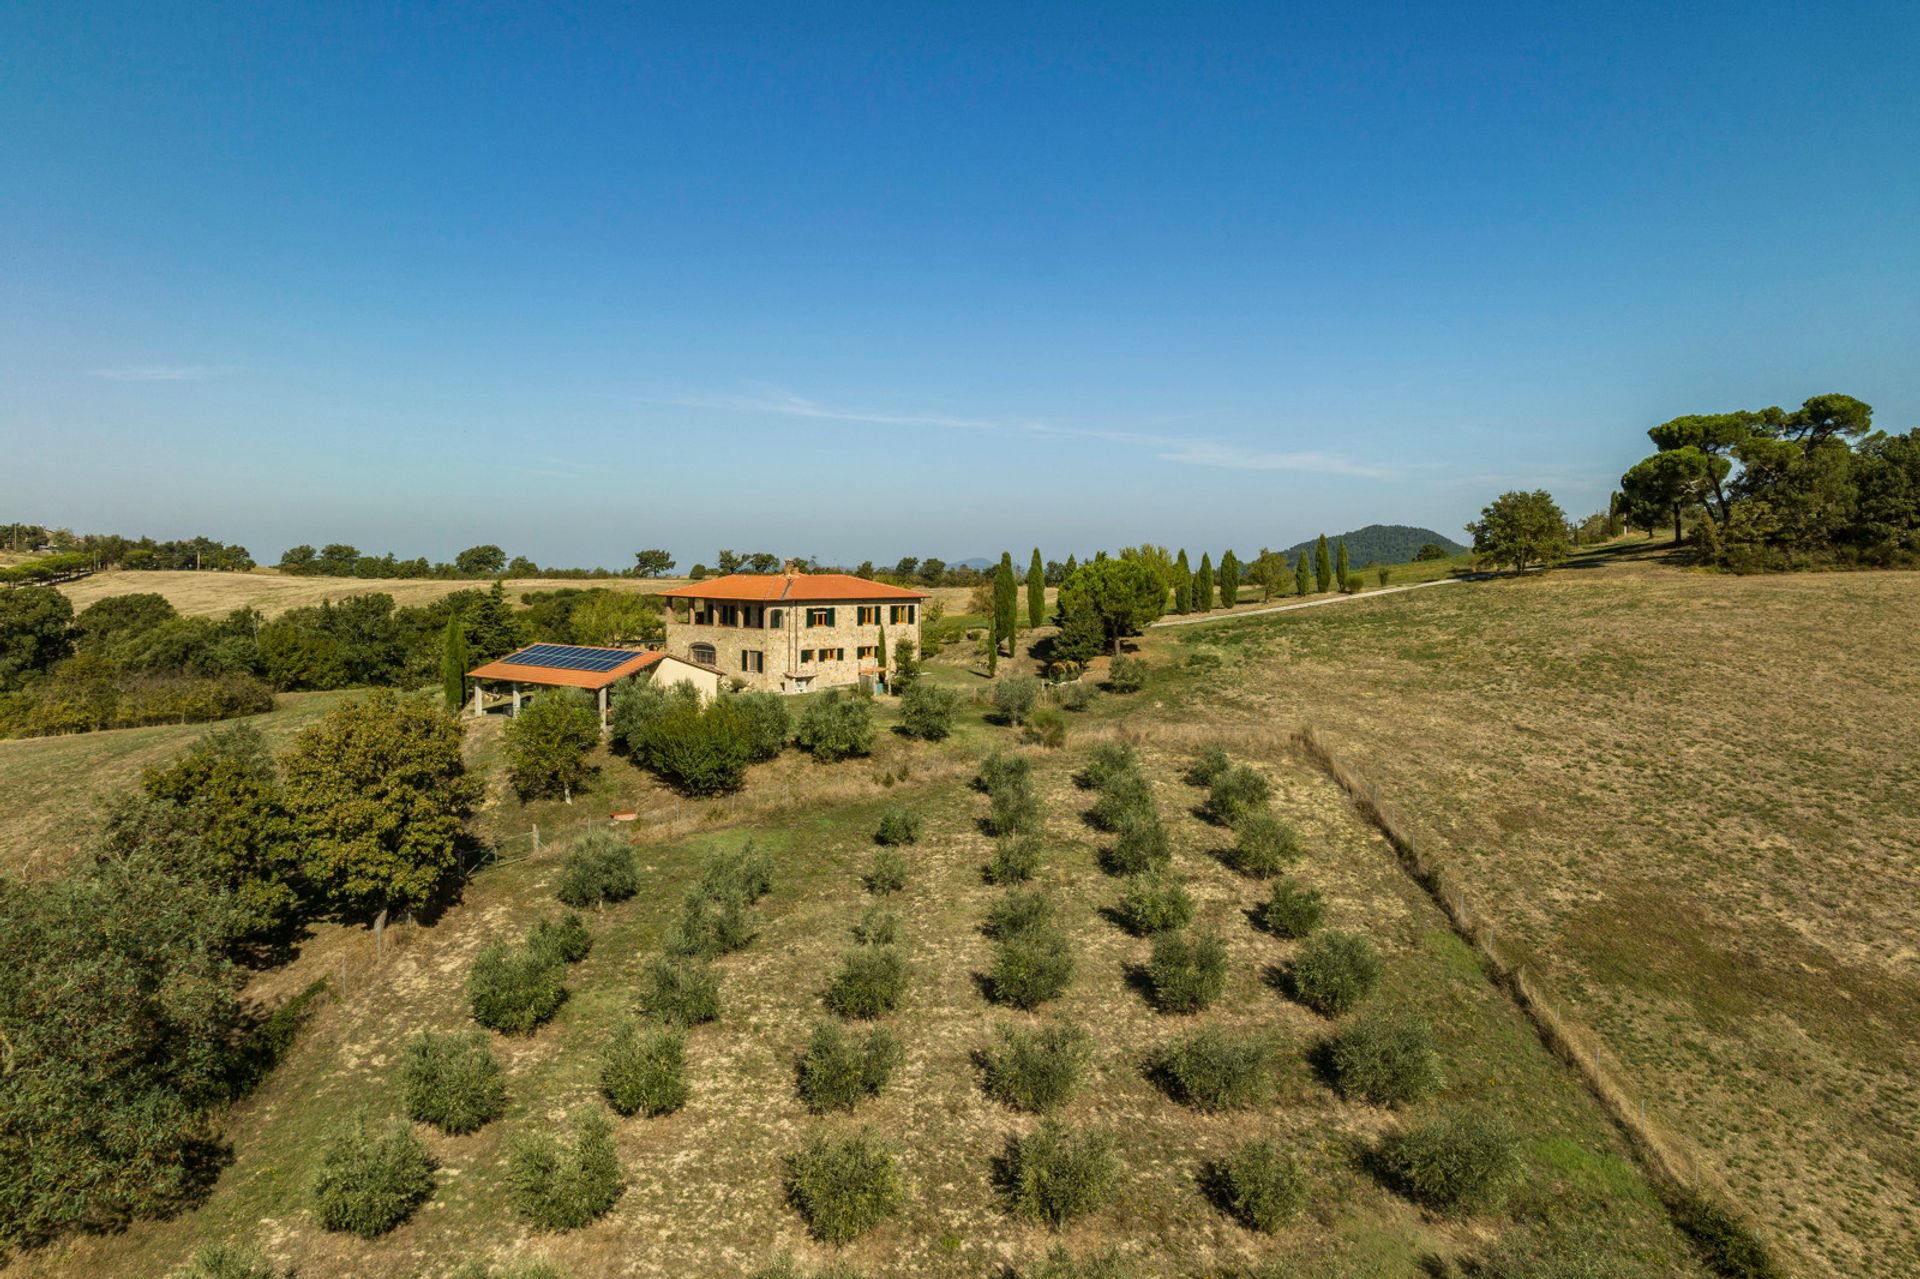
(156, 373)
(1181, 450)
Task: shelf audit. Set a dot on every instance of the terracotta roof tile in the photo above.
(801, 588)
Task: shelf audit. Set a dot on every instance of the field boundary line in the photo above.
(1288, 608)
(1673, 1164)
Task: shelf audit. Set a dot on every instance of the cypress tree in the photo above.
(1203, 585)
(1006, 602)
(1182, 584)
(1229, 580)
(1300, 576)
(1036, 591)
(880, 649)
(453, 664)
(1322, 564)
(1345, 579)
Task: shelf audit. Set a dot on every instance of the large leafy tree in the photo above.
(1269, 571)
(216, 816)
(615, 617)
(1121, 597)
(492, 629)
(1520, 529)
(117, 1019)
(485, 560)
(1036, 591)
(36, 630)
(378, 789)
(548, 742)
(1672, 482)
(652, 563)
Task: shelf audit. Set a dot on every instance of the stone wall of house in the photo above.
(785, 643)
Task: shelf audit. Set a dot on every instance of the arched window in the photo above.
(704, 654)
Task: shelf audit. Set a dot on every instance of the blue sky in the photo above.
(934, 280)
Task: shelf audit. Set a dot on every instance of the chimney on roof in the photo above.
(786, 567)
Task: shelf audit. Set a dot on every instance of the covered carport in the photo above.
(515, 676)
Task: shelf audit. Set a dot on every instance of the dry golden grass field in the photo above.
(1688, 800)
(215, 594)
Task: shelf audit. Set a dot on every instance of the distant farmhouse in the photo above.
(792, 632)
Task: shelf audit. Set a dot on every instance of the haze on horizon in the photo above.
(872, 282)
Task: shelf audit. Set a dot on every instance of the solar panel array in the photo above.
(570, 657)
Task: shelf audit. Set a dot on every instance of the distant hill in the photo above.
(1386, 543)
(978, 561)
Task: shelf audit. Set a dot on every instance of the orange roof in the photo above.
(561, 677)
(798, 588)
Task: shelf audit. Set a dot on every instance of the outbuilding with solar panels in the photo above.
(522, 673)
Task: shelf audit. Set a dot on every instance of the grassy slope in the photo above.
(706, 1192)
(58, 787)
(1690, 797)
(215, 594)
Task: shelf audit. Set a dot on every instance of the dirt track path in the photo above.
(1221, 616)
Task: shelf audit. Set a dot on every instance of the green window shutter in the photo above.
(830, 616)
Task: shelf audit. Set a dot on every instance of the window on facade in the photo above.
(773, 618)
(729, 615)
(868, 652)
(806, 655)
(753, 660)
(819, 617)
(869, 615)
(703, 653)
(903, 613)
(833, 654)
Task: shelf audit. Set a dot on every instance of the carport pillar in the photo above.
(479, 703)
(603, 710)
(516, 699)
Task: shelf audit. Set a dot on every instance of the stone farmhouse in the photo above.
(791, 632)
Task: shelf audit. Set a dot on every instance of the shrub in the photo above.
(566, 938)
(515, 988)
(1153, 901)
(876, 926)
(1293, 911)
(1140, 844)
(699, 750)
(1127, 675)
(563, 1187)
(843, 1186)
(745, 875)
(1727, 1244)
(547, 743)
(927, 710)
(1055, 1174)
(1077, 696)
(225, 1261)
(599, 868)
(783, 1266)
(452, 1081)
(1213, 1070)
(1456, 1162)
(536, 1268)
(371, 1178)
(680, 991)
(1208, 764)
(887, 874)
(1263, 845)
(1047, 728)
(1187, 972)
(1234, 794)
(1334, 971)
(1107, 761)
(1015, 859)
(1000, 769)
(870, 982)
(768, 723)
(1388, 1059)
(1014, 697)
(644, 1071)
(709, 926)
(1016, 912)
(1061, 1264)
(1124, 796)
(1262, 1186)
(838, 725)
(1038, 1070)
(1031, 967)
(1013, 808)
(898, 826)
(839, 1070)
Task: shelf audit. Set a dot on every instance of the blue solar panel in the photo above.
(570, 657)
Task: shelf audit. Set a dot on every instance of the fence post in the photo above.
(536, 839)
